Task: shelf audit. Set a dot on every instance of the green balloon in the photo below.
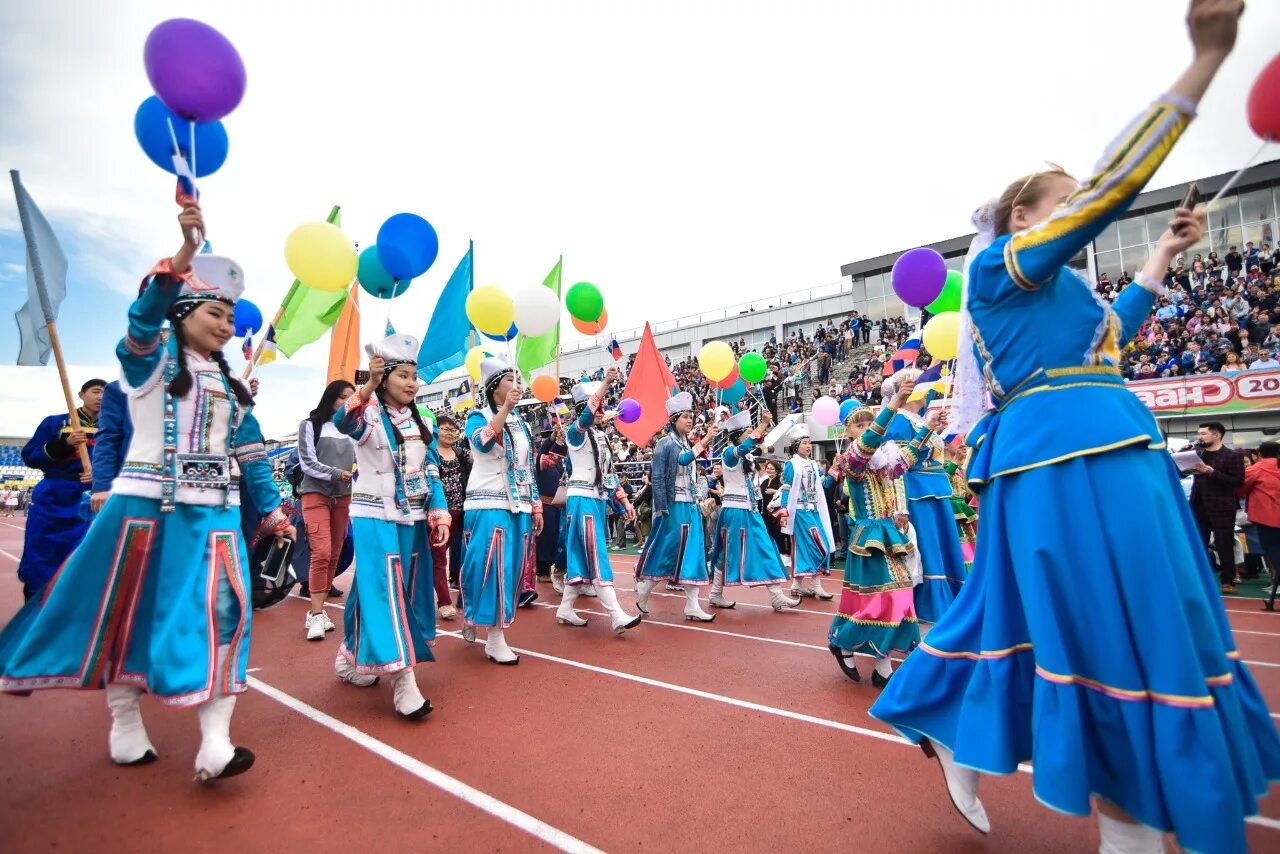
(585, 302)
(949, 299)
(427, 414)
(752, 367)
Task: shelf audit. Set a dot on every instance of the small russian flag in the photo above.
(614, 349)
(247, 349)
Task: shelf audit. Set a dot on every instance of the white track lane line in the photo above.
(13, 558)
(1270, 823)
(487, 803)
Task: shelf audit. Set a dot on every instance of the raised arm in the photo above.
(1034, 255)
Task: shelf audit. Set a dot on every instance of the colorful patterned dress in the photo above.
(966, 516)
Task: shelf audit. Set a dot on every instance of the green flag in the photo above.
(307, 314)
(534, 353)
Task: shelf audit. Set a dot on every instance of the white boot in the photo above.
(128, 740)
(218, 757)
(962, 785)
(799, 591)
(1122, 837)
(716, 598)
(557, 580)
(692, 610)
(589, 590)
(780, 600)
(408, 700)
(644, 586)
(495, 646)
(816, 589)
(620, 618)
(565, 615)
(346, 672)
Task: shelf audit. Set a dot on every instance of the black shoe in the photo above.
(241, 761)
(845, 662)
(419, 713)
(335, 593)
(526, 598)
(304, 590)
(145, 759)
(880, 681)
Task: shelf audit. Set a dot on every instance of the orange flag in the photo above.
(344, 347)
(650, 384)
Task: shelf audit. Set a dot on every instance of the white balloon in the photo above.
(537, 311)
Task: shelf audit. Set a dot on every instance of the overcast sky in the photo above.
(682, 156)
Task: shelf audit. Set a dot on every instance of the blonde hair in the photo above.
(1027, 190)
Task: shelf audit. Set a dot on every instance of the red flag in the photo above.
(650, 385)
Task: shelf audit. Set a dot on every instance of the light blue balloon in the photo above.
(374, 278)
(734, 393)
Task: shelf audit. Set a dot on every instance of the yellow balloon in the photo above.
(941, 336)
(490, 310)
(715, 360)
(474, 356)
(320, 256)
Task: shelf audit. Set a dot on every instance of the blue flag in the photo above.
(390, 330)
(444, 347)
(41, 309)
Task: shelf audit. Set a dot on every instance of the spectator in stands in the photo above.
(1213, 498)
(1267, 361)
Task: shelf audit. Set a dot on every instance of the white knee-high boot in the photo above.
(495, 646)
(644, 587)
(962, 785)
(816, 588)
(128, 741)
(621, 619)
(565, 615)
(693, 610)
(780, 600)
(406, 697)
(1122, 837)
(716, 599)
(218, 757)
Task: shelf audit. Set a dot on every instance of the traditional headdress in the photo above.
(492, 370)
(680, 403)
(396, 350)
(212, 278)
(738, 421)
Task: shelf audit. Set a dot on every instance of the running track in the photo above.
(737, 736)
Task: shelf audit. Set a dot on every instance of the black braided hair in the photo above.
(181, 383)
(748, 465)
(595, 449)
(243, 397)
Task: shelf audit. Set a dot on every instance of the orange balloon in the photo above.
(545, 388)
(592, 328)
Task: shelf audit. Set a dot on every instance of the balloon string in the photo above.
(1235, 179)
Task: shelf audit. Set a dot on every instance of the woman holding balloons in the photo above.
(674, 550)
(1120, 686)
(743, 548)
(929, 497)
(502, 513)
(391, 612)
(591, 481)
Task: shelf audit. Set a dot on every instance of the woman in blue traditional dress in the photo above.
(743, 552)
(929, 501)
(503, 512)
(591, 481)
(1117, 684)
(877, 612)
(390, 617)
(805, 517)
(156, 599)
(675, 550)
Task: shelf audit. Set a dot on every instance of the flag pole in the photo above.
(46, 308)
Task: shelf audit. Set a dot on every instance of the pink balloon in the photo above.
(826, 411)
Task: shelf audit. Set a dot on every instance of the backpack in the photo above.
(293, 465)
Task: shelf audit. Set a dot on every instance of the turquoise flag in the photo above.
(444, 347)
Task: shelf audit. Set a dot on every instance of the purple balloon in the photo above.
(628, 410)
(194, 69)
(918, 276)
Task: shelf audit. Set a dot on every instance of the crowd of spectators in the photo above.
(1220, 315)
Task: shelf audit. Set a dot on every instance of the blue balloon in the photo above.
(407, 246)
(374, 278)
(248, 318)
(151, 127)
(734, 393)
(511, 333)
(846, 409)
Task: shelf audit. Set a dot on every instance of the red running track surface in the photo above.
(740, 735)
